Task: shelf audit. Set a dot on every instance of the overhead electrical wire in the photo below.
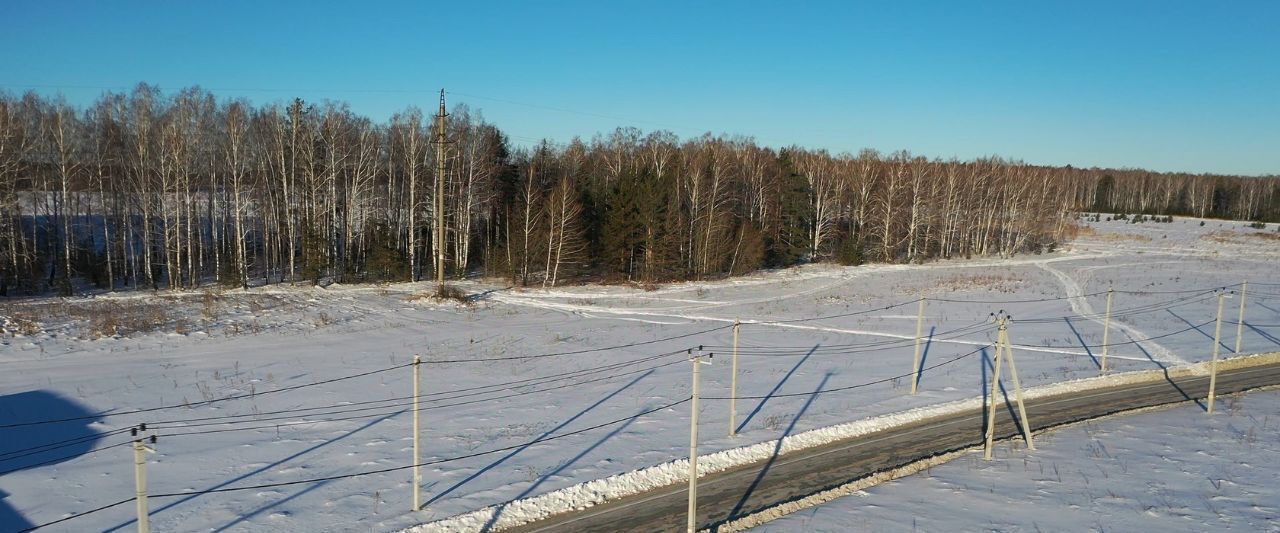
(378, 471)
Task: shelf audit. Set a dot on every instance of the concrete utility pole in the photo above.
(140, 451)
(697, 361)
(1106, 330)
(1244, 287)
(1217, 343)
(1003, 350)
(915, 366)
(417, 450)
(441, 141)
(733, 384)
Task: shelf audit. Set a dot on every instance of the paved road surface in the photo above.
(741, 491)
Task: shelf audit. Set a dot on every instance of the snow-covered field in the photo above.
(1169, 470)
(483, 394)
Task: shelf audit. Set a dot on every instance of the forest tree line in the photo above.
(148, 190)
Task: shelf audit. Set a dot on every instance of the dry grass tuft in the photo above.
(994, 282)
(1234, 237)
(1117, 237)
(442, 294)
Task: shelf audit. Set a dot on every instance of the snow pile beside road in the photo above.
(596, 492)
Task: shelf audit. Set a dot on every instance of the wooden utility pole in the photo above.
(441, 141)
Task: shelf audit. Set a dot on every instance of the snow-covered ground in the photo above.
(1170, 470)
(252, 343)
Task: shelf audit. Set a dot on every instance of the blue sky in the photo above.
(1166, 85)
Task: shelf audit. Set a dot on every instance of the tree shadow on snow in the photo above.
(34, 446)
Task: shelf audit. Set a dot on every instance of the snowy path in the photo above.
(1081, 307)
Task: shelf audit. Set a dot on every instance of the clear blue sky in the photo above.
(1166, 85)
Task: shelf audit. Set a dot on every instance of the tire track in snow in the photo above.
(1080, 306)
(622, 314)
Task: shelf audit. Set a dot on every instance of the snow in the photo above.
(598, 491)
(249, 343)
(1168, 470)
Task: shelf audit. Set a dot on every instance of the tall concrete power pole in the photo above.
(441, 143)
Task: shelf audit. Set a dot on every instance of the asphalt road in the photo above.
(744, 490)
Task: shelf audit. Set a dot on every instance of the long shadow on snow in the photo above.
(516, 451)
(767, 397)
(498, 512)
(1262, 334)
(1172, 383)
(40, 445)
(245, 516)
(924, 354)
(1197, 328)
(264, 469)
(777, 450)
(989, 365)
(1083, 344)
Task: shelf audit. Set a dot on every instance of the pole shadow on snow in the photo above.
(1165, 369)
(1267, 307)
(1083, 344)
(526, 446)
(259, 471)
(488, 526)
(245, 516)
(924, 354)
(777, 450)
(989, 365)
(767, 397)
(31, 447)
(1267, 336)
(1197, 328)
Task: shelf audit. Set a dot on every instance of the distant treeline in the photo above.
(147, 190)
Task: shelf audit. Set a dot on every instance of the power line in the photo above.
(372, 472)
(64, 458)
(444, 395)
(850, 387)
(428, 463)
(206, 402)
(1031, 300)
(841, 315)
(577, 352)
(362, 374)
(50, 446)
(845, 349)
(79, 515)
(398, 405)
(1133, 341)
(1132, 311)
